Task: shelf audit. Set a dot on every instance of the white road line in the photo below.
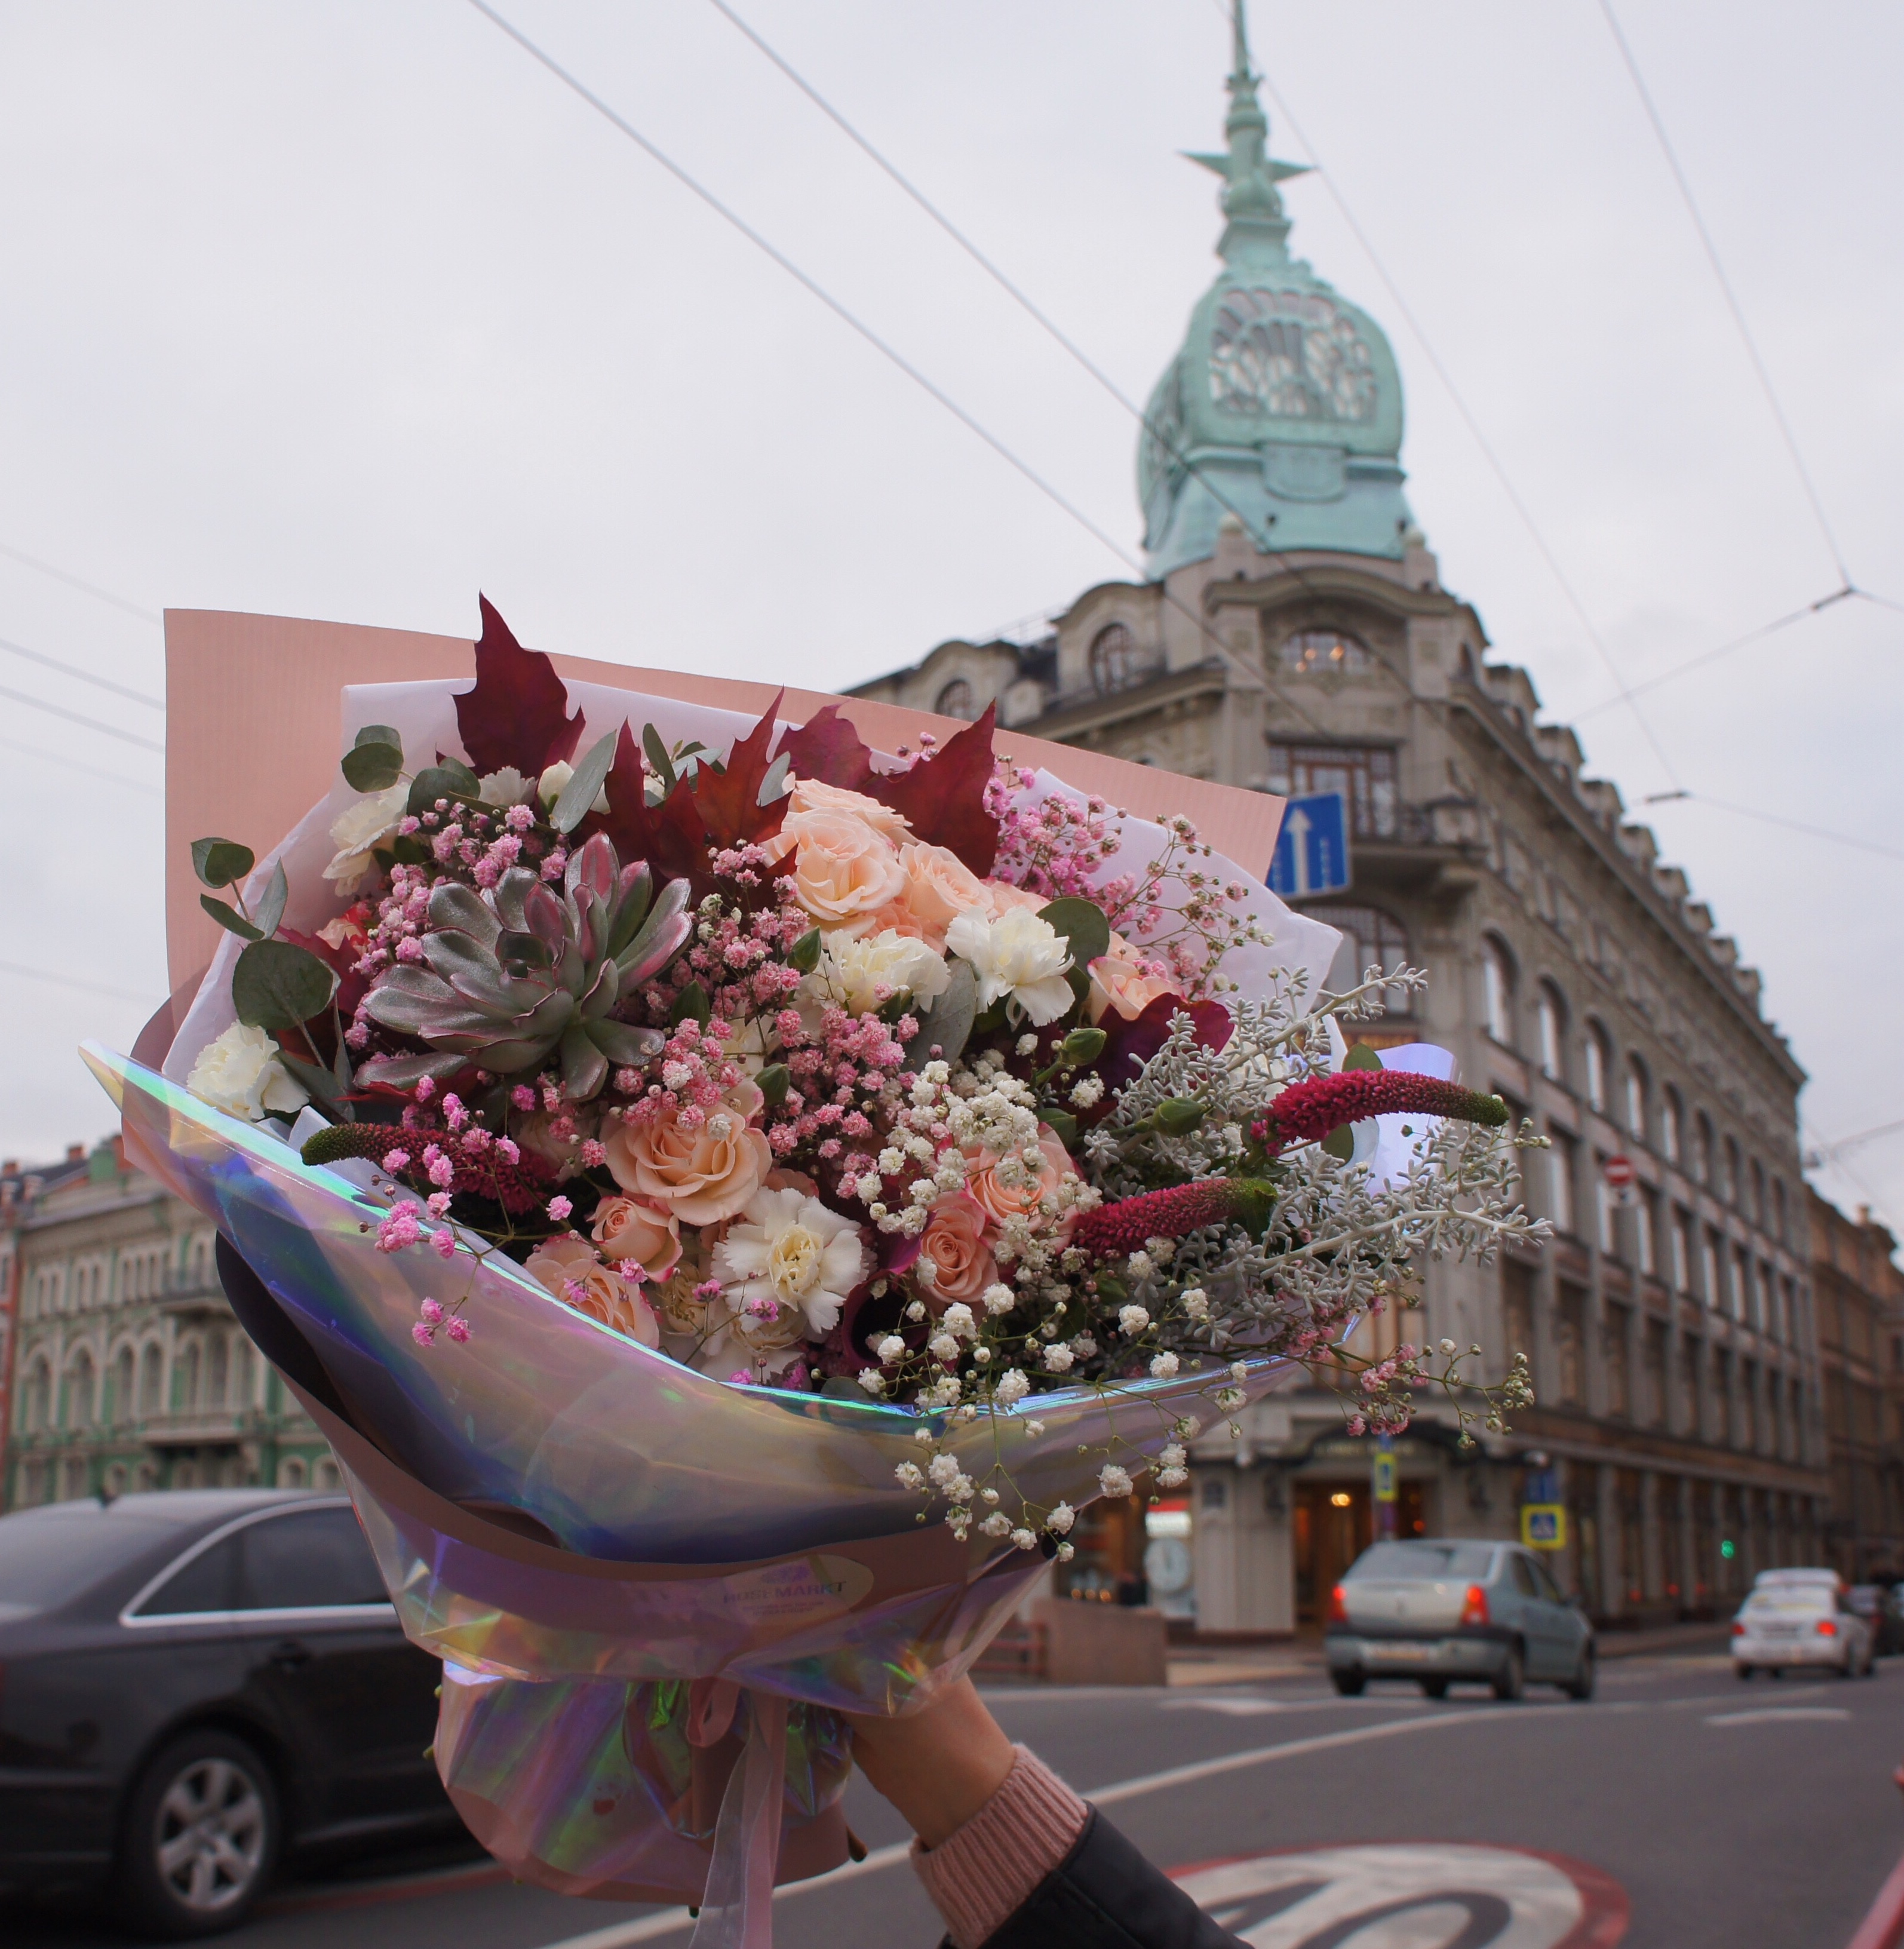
(666, 1921)
(1767, 1714)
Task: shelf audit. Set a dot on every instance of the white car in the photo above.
(1787, 1625)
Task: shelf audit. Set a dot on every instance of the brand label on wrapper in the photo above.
(786, 1597)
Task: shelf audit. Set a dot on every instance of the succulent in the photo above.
(511, 977)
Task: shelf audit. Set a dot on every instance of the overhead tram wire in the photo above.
(74, 717)
(1255, 679)
(85, 676)
(25, 973)
(1682, 795)
(73, 765)
(1732, 304)
(79, 582)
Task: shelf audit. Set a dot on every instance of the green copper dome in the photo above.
(1284, 406)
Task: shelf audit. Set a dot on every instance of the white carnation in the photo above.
(862, 975)
(359, 829)
(240, 1072)
(1019, 958)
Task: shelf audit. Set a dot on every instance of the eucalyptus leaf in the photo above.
(1361, 1057)
(804, 955)
(319, 1083)
(774, 785)
(579, 794)
(1063, 1125)
(773, 1081)
(1340, 1143)
(691, 1001)
(451, 779)
(218, 862)
(372, 767)
(271, 909)
(657, 757)
(230, 918)
(380, 734)
(407, 850)
(948, 1023)
(276, 986)
(1083, 924)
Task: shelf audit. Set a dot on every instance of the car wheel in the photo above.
(1849, 1669)
(1511, 1681)
(1778, 1671)
(1745, 1671)
(1434, 1688)
(201, 1837)
(1585, 1675)
(1348, 1684)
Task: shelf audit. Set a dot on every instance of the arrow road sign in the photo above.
(1313, 848)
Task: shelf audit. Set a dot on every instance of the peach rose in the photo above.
(629, 1231)
(1021, 1197)
(701, 1174)
(844, 869)
(999, 899)
(1118, 981)
(939, 886)
(810, 795)
(567, 1266)
(954, 1244)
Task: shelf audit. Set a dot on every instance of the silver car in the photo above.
(1444, 1612)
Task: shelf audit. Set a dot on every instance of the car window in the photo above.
(1425, 1563)
(49, 1556)
(1524, 1577)
(1543, 1577)
(208, 1582)
(1810, 1602)
(309, 1558)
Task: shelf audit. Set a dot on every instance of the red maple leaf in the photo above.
(668, 836)
(826, 748)
(943, 795)
(517, 713)
(727, 801)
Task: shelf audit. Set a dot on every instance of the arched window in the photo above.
(957, 700)
(215, 1371)
(38, 1406)
(1636, 1098)
(1550, 1020)
(122, 1384)
(1732, 1185)
(291, 1473)
(1497, 991)
(1370, 938)
(1778, 1214)
(80, 1383)
(1701, 1160)
(325, 1476)
(1758, 1194)
(1310, 652)
(243, 1376)
(1672, 1119)
(188, 1391)
(152, 1373)
(1598, 1063)
(1115, 662)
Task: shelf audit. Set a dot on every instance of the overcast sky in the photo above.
(349, 311)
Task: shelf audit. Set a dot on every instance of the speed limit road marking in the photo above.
(1412, 1895)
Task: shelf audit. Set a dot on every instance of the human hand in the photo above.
(939, 1765)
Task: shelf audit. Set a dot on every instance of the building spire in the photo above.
(1250, 200)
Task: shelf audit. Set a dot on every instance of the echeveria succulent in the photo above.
(508, 977)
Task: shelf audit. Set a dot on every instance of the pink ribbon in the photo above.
(737, 1909)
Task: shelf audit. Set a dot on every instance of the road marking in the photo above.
(1767, 1714)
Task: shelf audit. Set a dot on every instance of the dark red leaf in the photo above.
(727, 801)
(517, 714)
(826, 748)
(668, 836)
(1128, 1045)
(944, 795)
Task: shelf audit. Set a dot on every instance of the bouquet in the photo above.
(958, 1143)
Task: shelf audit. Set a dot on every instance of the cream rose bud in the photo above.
(359, 829)
(630, 1231)
(861, 973)
(844, 869)
(1019, 959)
(701, 1172)
(240, 1072)
(815, 795)
(1119, 986)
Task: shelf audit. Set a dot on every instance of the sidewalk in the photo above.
(1301, 1658)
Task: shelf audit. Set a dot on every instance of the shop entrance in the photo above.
(1335, 1522)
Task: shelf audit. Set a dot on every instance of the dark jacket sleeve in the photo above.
(1104, 1895)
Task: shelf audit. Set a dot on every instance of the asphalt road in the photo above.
(1681, 1810)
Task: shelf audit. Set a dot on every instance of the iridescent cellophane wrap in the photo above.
(622, 1561)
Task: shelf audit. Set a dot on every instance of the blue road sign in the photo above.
(1313, 848)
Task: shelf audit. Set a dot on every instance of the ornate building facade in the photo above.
(1859, 1299)
(123, 1366)
(1294, 637)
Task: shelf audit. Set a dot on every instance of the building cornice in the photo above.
(1090, 711)
(1339, 580)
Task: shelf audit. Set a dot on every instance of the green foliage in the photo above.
(229, 918)
(1083, 923)
(691, 1001)
(451, 779)
(221, 863)
(579, 794)
(774, 1080)
(276, 986)
(805, 953)
(948, 1022)
(375, 761)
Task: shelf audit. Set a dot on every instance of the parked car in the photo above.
(1882, 1609)
(1443, 1613)
(193, 1685)
(1789, 1624)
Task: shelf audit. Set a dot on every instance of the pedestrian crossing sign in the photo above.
(1543, 1526)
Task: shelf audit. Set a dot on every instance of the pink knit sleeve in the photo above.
(981, 1877)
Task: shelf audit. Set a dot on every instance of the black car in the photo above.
(193, 1684)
